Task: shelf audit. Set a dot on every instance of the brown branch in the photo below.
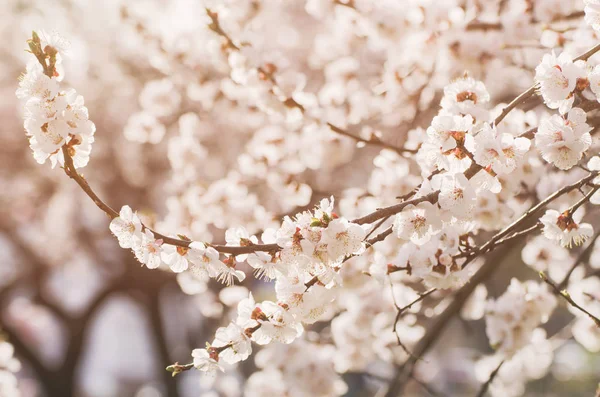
(77, 177)
(524, 96)
(588, 54)
(404, 373)
(72, 172)
(478, 25)
(483, 273)
(522, 233)
(394, 209)
(493, 242)
(372, 141)
(531, 90)
(215, 26)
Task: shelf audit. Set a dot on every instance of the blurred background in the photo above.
(194, 152)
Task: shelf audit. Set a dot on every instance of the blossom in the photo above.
(176, 257)
(265, 265)
(204, 260)
(499, 151)
(240, 237)
(436, 266)
(450, 142)
(563, 229)
(54, 119)
(246, 312)
(343, 238)
(451, 131)
(46, 138)
(149, 250)
(228, 272)
(8, 366)
(558, 77)
(276, 323)
(35, 84)
(55, 40)
(540, 254)
(561, 141)
(512, 317)
(456, 193)
(206, 361)
(239, 343)
(466, 96)
(312, 305)
(592, 13)
(417, 223)
(127, 227)
(45, 109)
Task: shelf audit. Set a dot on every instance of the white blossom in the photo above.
(343, 238)
(561, 141)
(456, 194)
(127, 227)
(465, 96)
(149, 250)
(558, 78)
(512, 317)
(176, 257)
(240, 237)
(418, 223)
(239, 344)
(563, 229)
(277, 324)
(592, 13)
(500, 151)
(204, 362)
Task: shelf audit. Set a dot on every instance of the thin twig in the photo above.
(568, 298)
(400, 311)
(583, 256)
(493, 242)
(520, 234)
(487, 383)
(372, 141)
(381, 222)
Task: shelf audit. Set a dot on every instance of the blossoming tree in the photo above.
(450, 173)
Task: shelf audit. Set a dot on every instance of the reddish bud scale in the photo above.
(258, 314)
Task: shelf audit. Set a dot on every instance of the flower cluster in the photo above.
(313, 246)
(511, 319)
(459, 187)
(54, 119)
(201, 260)
(297, 370)
(530, 363)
